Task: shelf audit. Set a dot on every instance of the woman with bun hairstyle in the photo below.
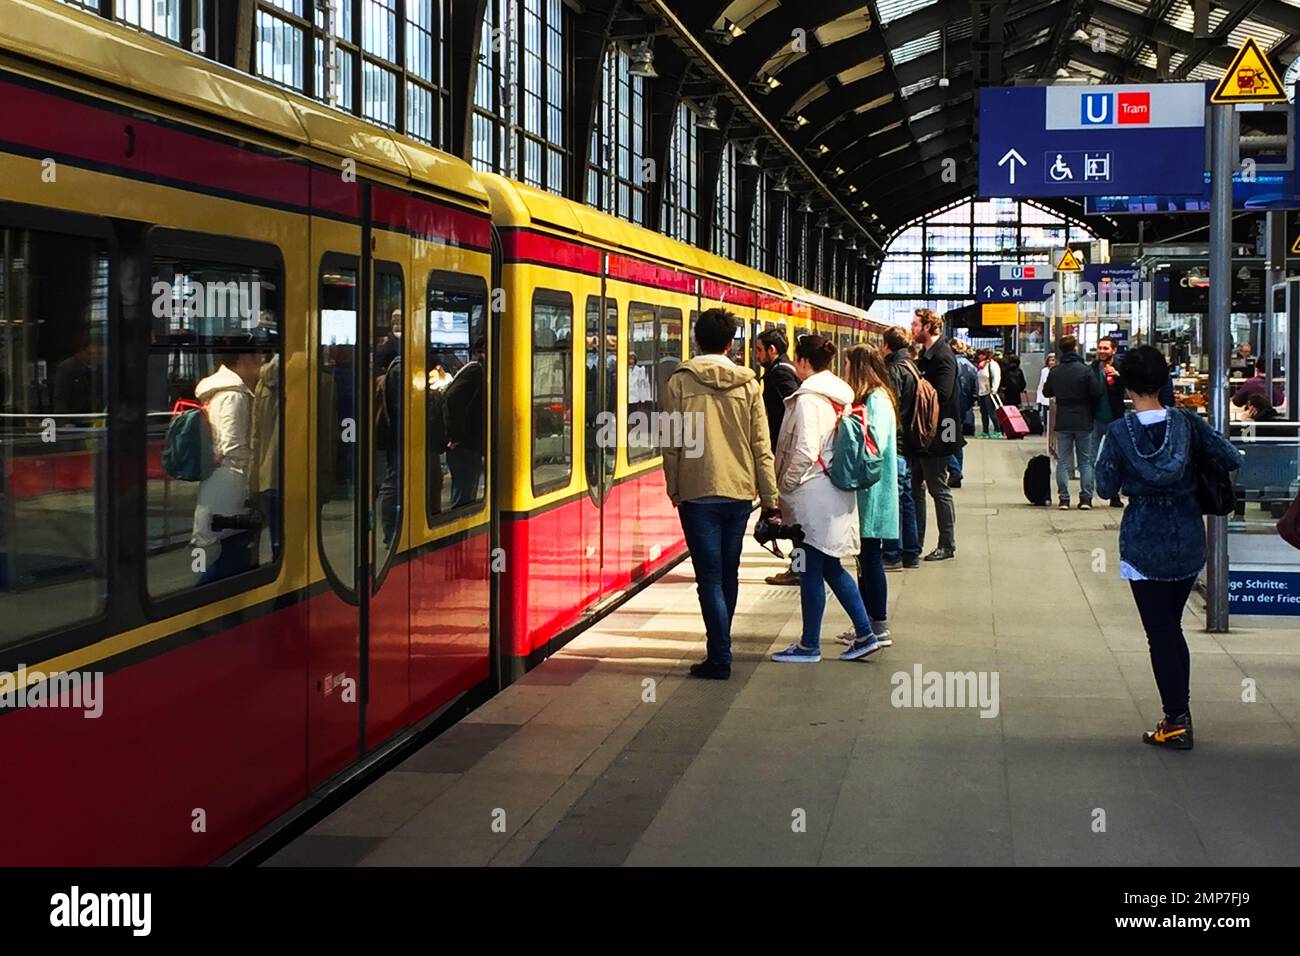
(828, 515)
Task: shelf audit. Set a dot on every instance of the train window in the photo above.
(552, 389)
(389, 413)
(737, 353)
(336, 434)
(53, 430)
(669, 353)
(640, 390)
(214, 367)
(601, 403)
(456, 399)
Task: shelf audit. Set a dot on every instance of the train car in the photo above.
(164, 219)
(444, 462)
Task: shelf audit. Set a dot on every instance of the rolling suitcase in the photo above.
(1012, 422)
(1038, 480)
(1033, 417)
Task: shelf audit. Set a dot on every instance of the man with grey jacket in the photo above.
(1077, 391)
(713, 483)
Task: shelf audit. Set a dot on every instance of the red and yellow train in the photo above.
(433, 509)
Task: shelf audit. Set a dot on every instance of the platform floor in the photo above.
(812, 764)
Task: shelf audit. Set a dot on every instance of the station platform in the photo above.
(580, 764)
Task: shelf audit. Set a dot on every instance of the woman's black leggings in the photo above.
(1160, 605)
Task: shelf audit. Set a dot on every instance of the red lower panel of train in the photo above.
(575, 554)
(199, 747)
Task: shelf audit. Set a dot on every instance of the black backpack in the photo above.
(1038, 480)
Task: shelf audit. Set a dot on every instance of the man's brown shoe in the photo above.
(785, 577)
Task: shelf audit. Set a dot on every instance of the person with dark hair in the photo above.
(930, 467)
(464, 410)
(1077, 392)
(1260, 409)
(968, 382)
(905, 550)
(1111, 406)
(1258, 385)
(1151, 455)
(780, 381)
(79, 379)
(828, 515)
(1013, 380)
(713, 483)
(990, 383)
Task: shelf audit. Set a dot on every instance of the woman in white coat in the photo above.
(227, 397)
(827, 515)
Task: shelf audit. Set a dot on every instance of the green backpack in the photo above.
(187, 447)
(856, 462)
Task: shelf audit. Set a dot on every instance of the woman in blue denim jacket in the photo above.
(1148, 455)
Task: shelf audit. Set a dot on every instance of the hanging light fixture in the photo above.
(806, 206)
(643, 60)
(782, 184)
(708, 118)
(750, 157)
(838, 235)
(943, 69)
(852, 244)
(823, 221)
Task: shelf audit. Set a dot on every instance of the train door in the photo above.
(387, 642)
(601, 428)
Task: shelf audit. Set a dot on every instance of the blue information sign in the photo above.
(1100, 274)
(1013, 283)
(1263, 592)
(1092, 140)
(1275, 189)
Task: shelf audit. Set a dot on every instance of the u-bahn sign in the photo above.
(1092, 140)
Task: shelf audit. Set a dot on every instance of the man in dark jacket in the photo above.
(780, 381)
(905, 550)
(463, 419)
(1077, 392)
(930, 468)
(1111, 406)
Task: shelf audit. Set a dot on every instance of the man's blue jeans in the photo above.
(818, 571)
(955, 461)
(908, 545)
(715, 532)
(1076, 445)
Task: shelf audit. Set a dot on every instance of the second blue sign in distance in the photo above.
(1092, 140)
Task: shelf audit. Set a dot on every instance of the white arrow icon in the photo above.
(1014, 157)
(988, 290)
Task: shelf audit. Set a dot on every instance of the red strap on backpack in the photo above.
(859, 410)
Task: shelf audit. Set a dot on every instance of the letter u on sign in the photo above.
(1095, 109)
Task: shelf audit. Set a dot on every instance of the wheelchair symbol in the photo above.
(1059, 171)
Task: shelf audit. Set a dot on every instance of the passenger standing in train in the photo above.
(463, 411)
(264, 482)
(827, 515)
(905, 550)
(227, 397)
(929, 470)
(1152, 456)
(714, 490)
(865, 371)
(388, 426)
(780, 381)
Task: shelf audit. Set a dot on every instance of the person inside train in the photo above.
(714, 490)
(780, 381)
(79, 379)
(227, 397)
(264, 479)
(1260, 409)
(1258, 385)
(827, 515)
(388, 426)
(463, 418)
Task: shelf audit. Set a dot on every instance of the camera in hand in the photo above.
(248, 521)
(768, 530)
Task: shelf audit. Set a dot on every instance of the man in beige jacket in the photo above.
(714, 479)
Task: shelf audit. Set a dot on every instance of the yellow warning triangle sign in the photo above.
(1295, 246)
(1250, 78)
(1069, 263)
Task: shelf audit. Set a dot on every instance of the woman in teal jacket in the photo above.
(865, 371)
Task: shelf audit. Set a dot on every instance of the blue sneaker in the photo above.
(794, 654)
(861, 648)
